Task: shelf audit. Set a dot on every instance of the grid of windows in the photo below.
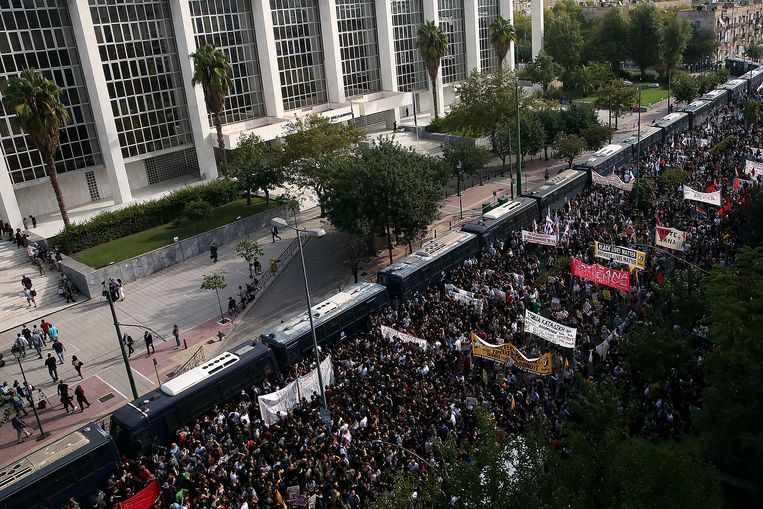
(137, 46)
(451, 13)
(487, 12)
(358, 46)
(299, 49)
(38, 35)
(228, 25)
(407, 17)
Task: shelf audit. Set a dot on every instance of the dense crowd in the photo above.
(393, 402)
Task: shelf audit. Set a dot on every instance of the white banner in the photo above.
(752, 168)
(550, 330)
(611, 180)
(711, 198)
(670, 238)
(620, 254)
(465, 297)
(286, 399)
(539, 238)
(389, 332)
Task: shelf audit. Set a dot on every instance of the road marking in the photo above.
(142, 375)
(112, 387)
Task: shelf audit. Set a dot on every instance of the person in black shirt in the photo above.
(50, 363)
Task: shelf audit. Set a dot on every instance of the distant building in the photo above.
(736, 24)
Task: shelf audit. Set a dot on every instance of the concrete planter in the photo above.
(88, 280)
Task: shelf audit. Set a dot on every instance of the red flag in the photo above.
(721, 212)
(657, 217)
(710, 188)
(736, 183)
(144, 499)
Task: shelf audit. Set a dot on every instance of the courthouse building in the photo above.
(136, 121)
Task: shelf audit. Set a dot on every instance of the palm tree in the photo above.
(502, 34)
(212, 70)
(41, 114)
(584, 78)
(433, 46)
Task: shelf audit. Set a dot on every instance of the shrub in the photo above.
(197, 209)
(138, 217)
(723, 144)
(671, 179)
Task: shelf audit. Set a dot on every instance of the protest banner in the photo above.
(467, 298)
(389, 332)
(550, 330)
(711, 198)
(611, 180)
(620, 254)
(618, 279)
(753, 169)
(144, 499)
(670, 238)
(539, 238)
(510, 354)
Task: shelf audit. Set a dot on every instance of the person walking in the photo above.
(22, 343)
(50, 363)
(121, 290)
(53, 332)
(25, 223)
(44, 326)
(18, 404)
(128, 342)
(30, 294)
(213, 252)
(66, 399)
(37, 343)
(59, 349)
(149, 340)
(176, 333)
(79, 395)
(21, 428)
(274, 233)
(77, 366)
(34, 220)
(26, 282)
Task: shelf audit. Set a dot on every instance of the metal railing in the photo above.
(196, 359)
(287, 253)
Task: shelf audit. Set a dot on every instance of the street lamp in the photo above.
(638, 142)
(280, 222)
(107, 294)
(16, 351)
(458, 179)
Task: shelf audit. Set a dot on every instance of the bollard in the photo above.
(185, 345)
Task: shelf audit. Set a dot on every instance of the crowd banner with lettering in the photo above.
(670, 238)
(550, 330)
(144, 499)
(540, 238)
(510, 354)
(711, 198)
(467, 298)
(611, 180)
(619, 279)
(389, 332)
(753, 168)
(620, 254)
(286, 399)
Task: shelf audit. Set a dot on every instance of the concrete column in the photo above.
(9, 206)
(386, 38)
(100, 102)
(472, 35)
(537, 26)
(432, 13)
(506, 10)
(203, 139)
(268, 58)
(332, 57)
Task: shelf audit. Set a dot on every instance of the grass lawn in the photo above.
(160, 236)
(649, 96)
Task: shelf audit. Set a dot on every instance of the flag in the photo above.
(144, 499)
(279, 500)
(699, 211)
(710, 188)
(657, 217)
(566, 363)
(737, 183)
(513, 403)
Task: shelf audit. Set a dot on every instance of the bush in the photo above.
(197, 209)
(135, 218)
(723, 144)
(671, 179)
(437, 125)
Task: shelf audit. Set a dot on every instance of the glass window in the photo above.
(358, 46)
(407, 17)
(451, 13)
(487, 12)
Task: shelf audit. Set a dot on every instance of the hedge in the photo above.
(135, 218)
(723, 144)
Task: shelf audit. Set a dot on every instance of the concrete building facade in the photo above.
(736, 24)
(125, 70)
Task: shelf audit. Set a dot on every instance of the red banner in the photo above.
(603, 275)
(144, 499)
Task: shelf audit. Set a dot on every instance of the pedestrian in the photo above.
(18, 404)
(213, 252)
(149, 340)
(176, 333)
(25, 223)
(128, 342)
(34, 220)
(26, 282)
(44, 326)
(77, 365)
(257, 266)
(50, 363)
(60, 349)
(121, 290)
(21, 428)
(19, 238)
(37, 343)
(79, 394)
(545, 174)
(22, 343)
(66, 399)
(37, 261)
(59, 258)
(274, 233)
(53, 332)
(30, 295)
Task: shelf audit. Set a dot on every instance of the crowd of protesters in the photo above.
(392, 402)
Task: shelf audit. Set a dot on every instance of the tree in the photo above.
(596, 136)
(309, 147)
(611, 38)
(502, 34)
(702, 46)
(616, 98)
(644, 37)
(544, 70)
(41, 115)
(532, 133)
(252, 170)
(584, 79)
(551, 118)
(576, 118)
(212, 70)
(643, 194)
(433, 46)
(563, 40)
(670, 179)
(501, 142)
(216, 282)
(685, 87)
(754, 51)
(484, 101)
(465, 160)
(676, 34)
(523, 27)
(568, 147)
(385, 189)
(247, 249)
(752, 111)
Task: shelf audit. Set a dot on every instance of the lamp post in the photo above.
(458, 182)
(279, 222)
(16, 351)
(519, 139)
(130, 379)
(638, 141)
